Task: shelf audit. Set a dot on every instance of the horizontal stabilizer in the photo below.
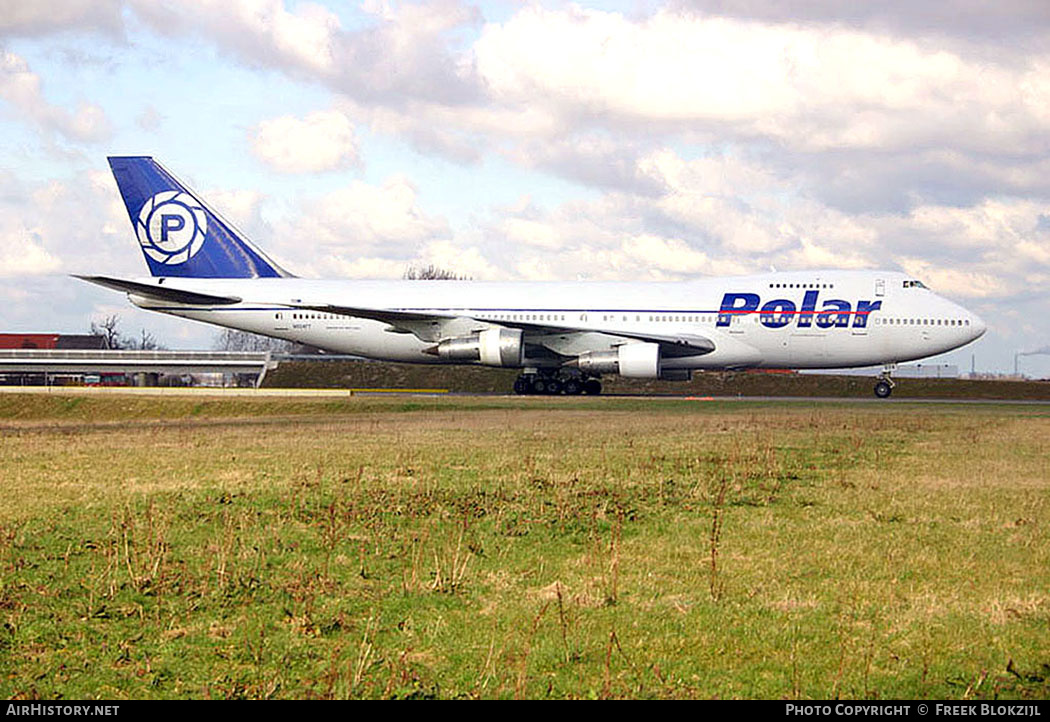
(162, 293)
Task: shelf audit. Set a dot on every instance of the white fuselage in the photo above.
(820, 319)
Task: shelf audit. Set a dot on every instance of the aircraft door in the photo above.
(808, 350)
(880, 287)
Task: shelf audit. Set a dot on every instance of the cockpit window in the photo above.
(914, 284)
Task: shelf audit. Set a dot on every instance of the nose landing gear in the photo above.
(884, 385)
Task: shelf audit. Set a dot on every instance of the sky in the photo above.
(539, 141)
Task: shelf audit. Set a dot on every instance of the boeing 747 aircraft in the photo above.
(563, 336)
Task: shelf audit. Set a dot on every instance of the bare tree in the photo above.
(233, 340)
(109, 330)
(146, 342)
(112, 337)
(432, 273)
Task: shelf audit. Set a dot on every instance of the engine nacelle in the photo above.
(633, 360)
(491, 347)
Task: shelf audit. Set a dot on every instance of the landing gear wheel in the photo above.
(539, 385)
(572, 387)
(592, 387)
(883, 389)
(553, 387)
(521, 385)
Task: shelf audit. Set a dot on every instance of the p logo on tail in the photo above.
(171, 227)
(179, 234)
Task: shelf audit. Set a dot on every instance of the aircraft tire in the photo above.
(883, 389)
(592, 387)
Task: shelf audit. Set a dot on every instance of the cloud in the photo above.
(20, 87)
(1017, 20)
(261, 32)
(41, 17)
(697, 224)
(321, 141)
(994, 249)
(72, 226)
(336, 232)
(22, 254)
(811, 88)
(724, 215)
(402, 51)
(877, 114)
(149, 119)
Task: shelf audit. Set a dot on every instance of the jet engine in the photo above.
(633, 360)
(491, 347)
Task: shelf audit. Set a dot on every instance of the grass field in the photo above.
(482, 379)
(418, 547)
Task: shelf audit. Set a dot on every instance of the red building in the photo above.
(59, 341)
(28, 340)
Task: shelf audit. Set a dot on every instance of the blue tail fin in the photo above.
(179, 234)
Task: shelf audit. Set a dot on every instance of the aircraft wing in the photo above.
(436, 325)
(685, 344)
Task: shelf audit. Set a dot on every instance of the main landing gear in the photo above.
(552, 383)
(884, 385)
